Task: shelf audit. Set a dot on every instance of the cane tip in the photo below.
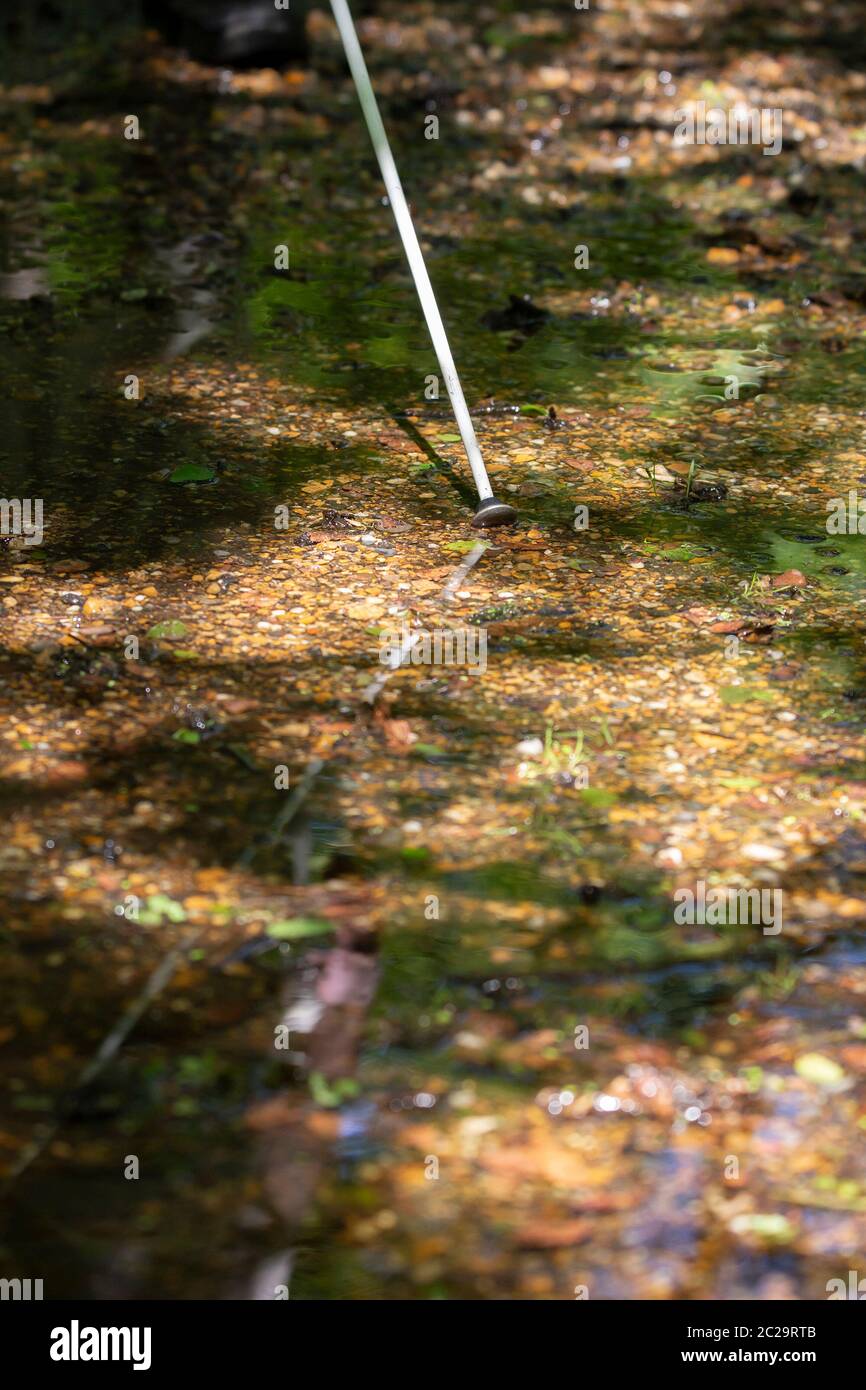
(492, 512)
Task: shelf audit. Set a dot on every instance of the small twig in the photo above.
(156, 983)
(286, 813)
(108, 1049)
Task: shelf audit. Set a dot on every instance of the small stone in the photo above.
(763, 854)
(530, 748)
(99, 606)
(670, 857)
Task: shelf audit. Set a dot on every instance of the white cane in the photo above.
(489, 511)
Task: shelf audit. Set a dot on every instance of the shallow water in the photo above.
(484, 903)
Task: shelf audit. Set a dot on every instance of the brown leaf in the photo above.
(69, 771)
(70, 566)
(399, 736)
(366, 609)
(791, 579)
(273, 1113)
(710, 738)
(697, 615)
(99, 634)
(549, 1235)
(239, 706)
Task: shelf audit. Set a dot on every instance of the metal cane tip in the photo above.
(492, 512)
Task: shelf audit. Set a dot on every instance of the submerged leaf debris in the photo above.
(505, 1068)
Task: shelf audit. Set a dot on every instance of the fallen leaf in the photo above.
(67, 772)
(296, 928)
(697, 615)
(549, 1235)
(820, 1070)
(791, 579)
(192, 473)
(399, 736)
(173, 628)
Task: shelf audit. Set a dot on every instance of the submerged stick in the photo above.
(108, 1050)
(490, 512)
(153, 987)
(286, 813)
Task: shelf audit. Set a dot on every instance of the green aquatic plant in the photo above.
(694, 468)
(559, 757)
